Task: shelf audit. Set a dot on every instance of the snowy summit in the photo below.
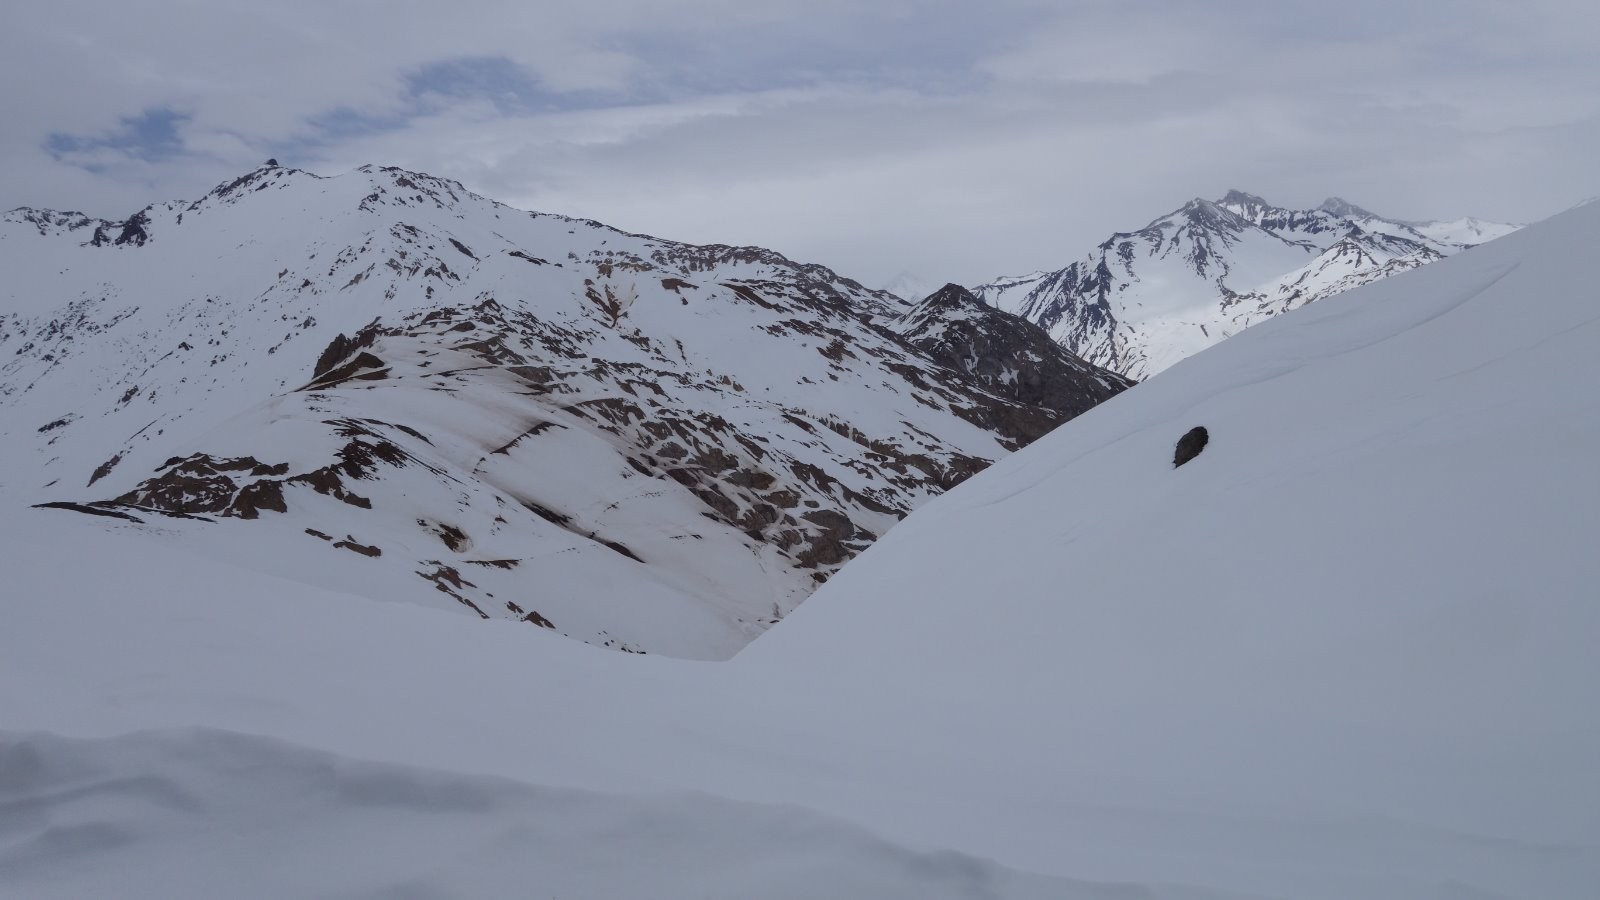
(1142, 300)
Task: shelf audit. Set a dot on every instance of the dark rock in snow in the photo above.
(1190, 445)
(134, 231)
(90, 510)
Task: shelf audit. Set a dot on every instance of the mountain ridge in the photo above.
(640, 443)
(1144, 299)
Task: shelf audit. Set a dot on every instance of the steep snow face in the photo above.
(385, 383)
(1346, 651)
(1372, 594)
(1145, 299)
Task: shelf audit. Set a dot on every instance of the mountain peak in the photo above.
(253, 180)
(955, 296)
(1007, 355)
(908, 286)
(1247, 206)
(1237, 197)
(1210, 214)
(1142, 300)
(1339, 206)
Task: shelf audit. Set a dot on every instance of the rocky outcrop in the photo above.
(1008, 356)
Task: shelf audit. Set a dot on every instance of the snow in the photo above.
(248, 736)
(1143, 300)
(910, 287)
(584, 460)
(1465, 230)
(1385, 549)
(197, 813)
(1348, 651)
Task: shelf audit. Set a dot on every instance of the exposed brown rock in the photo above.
(350, 543)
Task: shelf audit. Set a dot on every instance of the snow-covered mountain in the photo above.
(405, 389)
(1348, 650)
(1142, 300)
(908, 285)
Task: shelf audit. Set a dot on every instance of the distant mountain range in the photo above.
(382, 382)
(1142, 300)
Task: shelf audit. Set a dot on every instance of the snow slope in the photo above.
(386, 384)
(194, 813)
(1345, 652)
(1143, 300)
(177, 728)
(1375, 592)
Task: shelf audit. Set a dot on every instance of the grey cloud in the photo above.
(957, 141)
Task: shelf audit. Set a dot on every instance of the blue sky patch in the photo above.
(511, 88)
(151, 136)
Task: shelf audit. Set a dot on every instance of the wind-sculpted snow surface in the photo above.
(198, 814)
(1145, 299)
(385, 383)
(1346, 651)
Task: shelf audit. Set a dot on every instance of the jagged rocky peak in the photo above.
(940, 311)
(1237, 197)
(254, 180)
(1246, 205)
(49, 221)
(135, 230)
(1205, 214)
(389, 186)
(404, 187)
(954, 296)
(1009, 356)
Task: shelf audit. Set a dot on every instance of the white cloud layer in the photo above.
(951, 140)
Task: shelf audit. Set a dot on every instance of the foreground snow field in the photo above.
(215, 814)
(1348, 651)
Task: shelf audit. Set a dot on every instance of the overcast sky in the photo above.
(957, 141)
